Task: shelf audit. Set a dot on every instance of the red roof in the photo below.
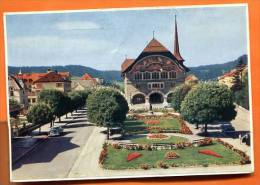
(155, 46)
(35, 76)
(86, 76)
(51, 77)
(126, 64)
(229, 74)
(30, 76)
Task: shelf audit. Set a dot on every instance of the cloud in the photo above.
(77, 25)
(113, 51)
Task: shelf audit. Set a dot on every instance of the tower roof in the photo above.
(155, 46)
(176, 44)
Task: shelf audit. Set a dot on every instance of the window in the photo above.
(172, 74)
(156, 85)
(155, 75)
(30, 80)
(164, 75)
(138, 76)
(58, 84)
(11, 93)
(33, 100)
(147, 75)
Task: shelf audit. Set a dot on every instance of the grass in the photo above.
(172, 139)
(117, 158)
(139, 127)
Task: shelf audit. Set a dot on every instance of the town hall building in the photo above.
(153, 75)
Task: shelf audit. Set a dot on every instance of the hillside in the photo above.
(207, 72)
(75, 70)
(211, 72)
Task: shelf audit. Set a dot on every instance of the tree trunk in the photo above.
(40, 129)
(206, 129)
(66, 116)
(76, 110)
(59, 120)
(197, 125)
(107, 132)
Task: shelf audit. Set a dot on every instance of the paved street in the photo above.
(54, 157)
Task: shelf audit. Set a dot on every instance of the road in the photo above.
(54, 158)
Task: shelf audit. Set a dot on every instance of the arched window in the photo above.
(138, 99)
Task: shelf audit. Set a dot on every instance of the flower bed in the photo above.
(157, 136)
(171, 155)
(103, 154)
(205, 142)
(245, 158)
(209, 152)
(154, 129)
(133, 156)
(151, 122)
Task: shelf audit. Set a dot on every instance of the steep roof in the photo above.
(36, 76)
(155, 46)
(176, 52)
(86, 76)
(52, 77)
(126, 64)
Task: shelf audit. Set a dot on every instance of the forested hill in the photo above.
(207, 72)
(75, 70)
(211, 72)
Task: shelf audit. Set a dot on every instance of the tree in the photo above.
(208, 102)
(56, 101)
(178, 95)
(78, 98)
(14, 108)
(242, 95)
(40, 114)
(107, 107)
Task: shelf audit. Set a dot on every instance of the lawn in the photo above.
(116, 158)
(139, 127)
(172, 139)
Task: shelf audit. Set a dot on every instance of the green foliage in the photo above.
(208, 102)
(242, 95)
(178, 95)
(14, 108)
(78, 98)
(106, 106)
(212, 72)
(56, 101)
(40, 114)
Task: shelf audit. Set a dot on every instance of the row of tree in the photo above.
(53, 104)
(204, 103)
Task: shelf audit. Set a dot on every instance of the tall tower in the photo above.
(176, 44)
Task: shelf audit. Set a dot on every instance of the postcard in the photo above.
(129, 93)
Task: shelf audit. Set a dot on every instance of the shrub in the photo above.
(171, 155)
(162, 164)
(144, 166)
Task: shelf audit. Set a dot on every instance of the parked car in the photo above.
(55, 131)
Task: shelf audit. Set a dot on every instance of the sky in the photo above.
(102, 39)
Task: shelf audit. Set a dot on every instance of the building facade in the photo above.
(153, 75)
(18, 91)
